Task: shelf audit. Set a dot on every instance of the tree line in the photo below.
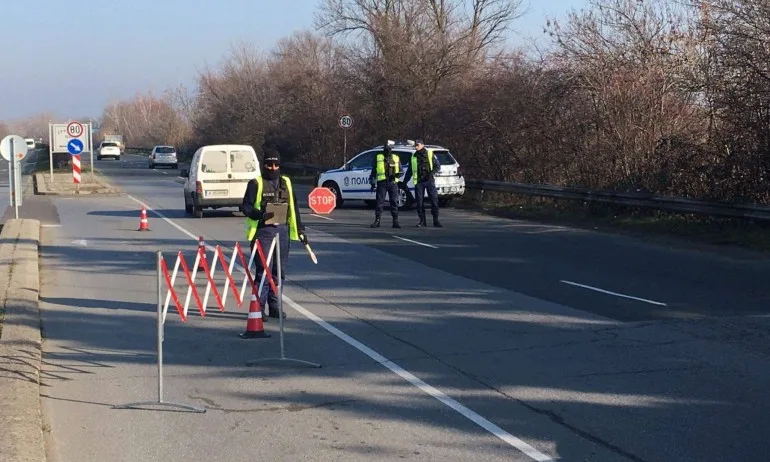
(666, 96)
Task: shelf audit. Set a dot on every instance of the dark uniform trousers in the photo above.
(389, 187)
(419, 190)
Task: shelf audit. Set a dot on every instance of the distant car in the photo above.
(218, 177)
(163, 156)
(108, 149)
(30, 143)
(351, 181)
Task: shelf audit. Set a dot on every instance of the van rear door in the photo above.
(243, 168)
(213, 173)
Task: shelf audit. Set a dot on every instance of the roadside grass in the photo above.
(644, 223)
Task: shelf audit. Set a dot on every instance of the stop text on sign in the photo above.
(322, 201)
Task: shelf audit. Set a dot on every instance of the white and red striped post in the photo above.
(76, 169)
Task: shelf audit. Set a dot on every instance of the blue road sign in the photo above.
(75, 146)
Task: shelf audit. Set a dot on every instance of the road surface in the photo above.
(489, 339)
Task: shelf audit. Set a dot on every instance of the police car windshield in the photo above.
(444, 157)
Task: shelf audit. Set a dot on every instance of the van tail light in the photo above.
(459, 171)
(198, 187)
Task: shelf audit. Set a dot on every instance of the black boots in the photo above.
(422, 222)
(395, 223)
(437, 223)
(376, 223)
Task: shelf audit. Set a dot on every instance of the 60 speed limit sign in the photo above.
(75, 129)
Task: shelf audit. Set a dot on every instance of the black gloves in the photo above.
(303, 237)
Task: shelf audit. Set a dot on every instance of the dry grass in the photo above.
(727, 232)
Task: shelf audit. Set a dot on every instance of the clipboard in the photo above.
(280, 213)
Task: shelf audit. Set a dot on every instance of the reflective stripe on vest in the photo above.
(415, 176)
(252, 225)
(381, 176)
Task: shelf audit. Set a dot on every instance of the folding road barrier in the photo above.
(201, 262)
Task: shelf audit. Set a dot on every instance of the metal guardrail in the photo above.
(644, 200)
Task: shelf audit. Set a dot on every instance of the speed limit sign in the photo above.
(346, 122)
(75, 129)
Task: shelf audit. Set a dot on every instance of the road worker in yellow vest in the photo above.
(272, 190)
(384, 178)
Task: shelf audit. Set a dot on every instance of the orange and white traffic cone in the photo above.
(143, 224)
(254, 326)
(201, 252)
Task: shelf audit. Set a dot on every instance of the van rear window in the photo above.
(242, 162)
(214, 162)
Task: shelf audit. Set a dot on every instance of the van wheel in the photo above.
(404, 198)
(444, 201)
(197, 211)
(188, 209)
(370, 204)
(336, 190)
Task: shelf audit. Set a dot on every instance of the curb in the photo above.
(20, 343)
(42, 190)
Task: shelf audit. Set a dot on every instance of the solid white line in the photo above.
(321, 216)
(614, 293)
(393, 367)
(50, 226)
(416, 242)
(165, 173)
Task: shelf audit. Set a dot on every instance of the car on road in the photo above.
(108, 149)
(218, 177)
(351, 181)
(163, 156)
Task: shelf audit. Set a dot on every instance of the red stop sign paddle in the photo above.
(322, 201)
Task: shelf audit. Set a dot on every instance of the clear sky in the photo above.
(71, 57)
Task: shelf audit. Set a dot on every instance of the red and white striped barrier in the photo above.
(76, 169)
(201, 261)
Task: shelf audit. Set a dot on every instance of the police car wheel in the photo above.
(404, 201)
(332, 185)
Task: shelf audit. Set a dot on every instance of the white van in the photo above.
(218, 177)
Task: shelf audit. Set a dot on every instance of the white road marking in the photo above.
(416, 242)
(513, 441)
(165, 173)
(50, 225)
(614, 293)
(321, 216)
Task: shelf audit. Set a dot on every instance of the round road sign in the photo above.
(75, 129)
(322, 201)
(19, 150)
(346, 122)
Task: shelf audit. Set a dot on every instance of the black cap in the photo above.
(418, 141)
(272, 156)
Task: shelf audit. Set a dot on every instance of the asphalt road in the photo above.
(538, 367)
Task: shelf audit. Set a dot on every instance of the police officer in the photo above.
(386, 171)
(272, 187)
(424, 167)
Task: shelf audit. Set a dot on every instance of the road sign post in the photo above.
(13, 148)
(60, 136)
(75, 147)
(345, 123)
(322, 201)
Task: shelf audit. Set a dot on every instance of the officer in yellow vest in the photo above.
(424, 167)
(272, 187)
(386, 171)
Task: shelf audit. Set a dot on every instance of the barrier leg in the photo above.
(283, 357)
(160, 401)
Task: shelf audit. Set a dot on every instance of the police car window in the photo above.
(444, 157)
(242, 162)
(214, 162)
(362, 161)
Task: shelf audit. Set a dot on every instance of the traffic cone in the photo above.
(143, 224)
(202, 252)
(254, 326)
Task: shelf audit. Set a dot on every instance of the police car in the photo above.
(351, 181)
